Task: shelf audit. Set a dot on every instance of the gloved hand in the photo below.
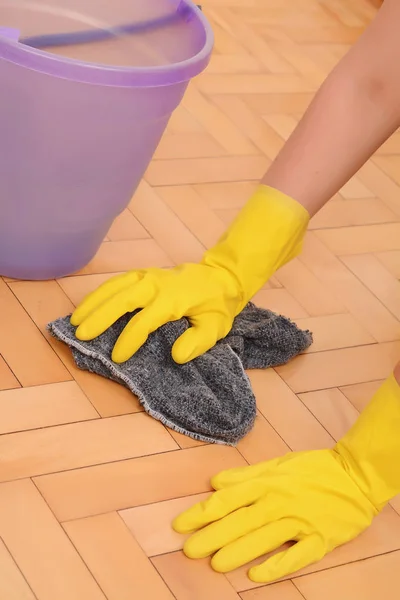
(267, 233)
(319, 499)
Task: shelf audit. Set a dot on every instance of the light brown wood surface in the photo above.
(89, 484)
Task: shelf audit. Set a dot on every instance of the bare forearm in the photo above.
(354, 112)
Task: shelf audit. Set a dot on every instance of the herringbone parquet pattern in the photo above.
(88, 483)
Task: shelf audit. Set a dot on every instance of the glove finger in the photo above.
(232, 527)
(105, 291)
(139, 328)
(218, 505)
(302, 554)
(113, 309)
(202, 335)
(261, 541)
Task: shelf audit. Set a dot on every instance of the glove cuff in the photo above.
(371, 449)
(267, 233)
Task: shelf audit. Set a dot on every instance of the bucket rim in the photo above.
(113, 76)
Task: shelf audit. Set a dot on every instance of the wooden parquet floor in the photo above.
(88, 483)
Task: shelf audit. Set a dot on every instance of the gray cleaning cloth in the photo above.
(209, 399)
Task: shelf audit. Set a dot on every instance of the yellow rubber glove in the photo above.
(266, 234)
(318, 499)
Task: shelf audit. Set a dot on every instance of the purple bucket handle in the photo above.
(84, 37)
(11, 34)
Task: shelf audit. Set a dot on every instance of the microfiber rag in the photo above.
(209, 399)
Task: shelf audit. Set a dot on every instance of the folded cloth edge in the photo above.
(113, 367)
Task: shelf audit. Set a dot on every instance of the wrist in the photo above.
(267, 233)
(371, 449)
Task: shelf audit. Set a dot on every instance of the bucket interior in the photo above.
(117, 33)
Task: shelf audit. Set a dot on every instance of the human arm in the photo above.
(356, 109)
(318, 499)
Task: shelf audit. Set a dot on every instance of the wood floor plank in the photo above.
(288, 416)
(360, 581)
(280, 301)
(127, 227)
(151, 524)
(44, 554)
(284, 591)
(13, 585)
(183, 578)
(335, 331)
(115, 559)
(308, 290)
(89, 484)
(254, 84)
(46, 301)
(43, 406)
(23, 347)
(8, 381)
(125, 484)
(391, 261)
(205, 170)
(347, 213)
(219, 124)
(361, 239)
(356, 297)
(332, 409)
(188, 145)
(336, 368)
(381, 185)
(168, 229)
(360, 394)
(263, 442)
(83, 444)
(250, 124)
(126, 255)
(194, 212)
(384, 285)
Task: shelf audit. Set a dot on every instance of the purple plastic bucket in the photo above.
(87, 88)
